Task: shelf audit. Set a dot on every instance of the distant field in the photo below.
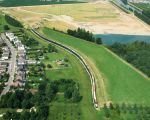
(122, 83)
(97, 17)
(14, 3)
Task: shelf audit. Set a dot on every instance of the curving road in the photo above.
(77, 55)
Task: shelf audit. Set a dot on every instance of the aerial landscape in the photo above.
(74, 60)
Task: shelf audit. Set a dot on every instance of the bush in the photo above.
(6, 27)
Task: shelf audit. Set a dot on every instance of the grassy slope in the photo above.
(85, 106)
(123, 83)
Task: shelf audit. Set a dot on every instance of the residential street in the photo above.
(12, 65)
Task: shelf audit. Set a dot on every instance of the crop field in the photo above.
(122, 83)
(98, 17)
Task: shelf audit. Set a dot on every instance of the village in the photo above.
(13, 61)
(20, 63)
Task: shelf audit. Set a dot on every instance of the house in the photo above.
(5, 56)
(21, 53)
(2, 69)
(20, 78)
(10, 36)
(5, 64)
(1, 41)
(21, 61)
(20, 67)
(6, 53)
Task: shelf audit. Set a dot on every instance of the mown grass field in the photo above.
(60, 108)
(122, 83)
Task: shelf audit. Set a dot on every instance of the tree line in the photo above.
(85, 35)
(129, 111)
(10, 20)
(144, 16)
(136, 53)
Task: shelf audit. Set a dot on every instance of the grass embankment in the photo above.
(75, 71)
(122, 83)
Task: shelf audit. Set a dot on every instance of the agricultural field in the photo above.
(97, 17)
(121, 82)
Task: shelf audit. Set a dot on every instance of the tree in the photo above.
(68, 93)
(6, 27)
(25, 116)
(26, 104)
(76, 96)
(43, 112)
(125, 1)
(98, 41)
(49, 66)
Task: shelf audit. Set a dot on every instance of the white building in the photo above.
(10, 36)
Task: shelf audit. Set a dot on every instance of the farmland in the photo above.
(122, 83)
(98, 17)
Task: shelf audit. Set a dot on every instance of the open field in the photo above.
(98, 17)
(121, 82)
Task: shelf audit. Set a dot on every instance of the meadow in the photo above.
(122, 83)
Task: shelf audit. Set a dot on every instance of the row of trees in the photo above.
(13, 21)
(85, 35)
(133, 111)
(136, 53)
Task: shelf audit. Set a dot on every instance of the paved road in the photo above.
(92, 78)
(12, 65)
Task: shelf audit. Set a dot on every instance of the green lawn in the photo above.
(76, 72)
(122, 83)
